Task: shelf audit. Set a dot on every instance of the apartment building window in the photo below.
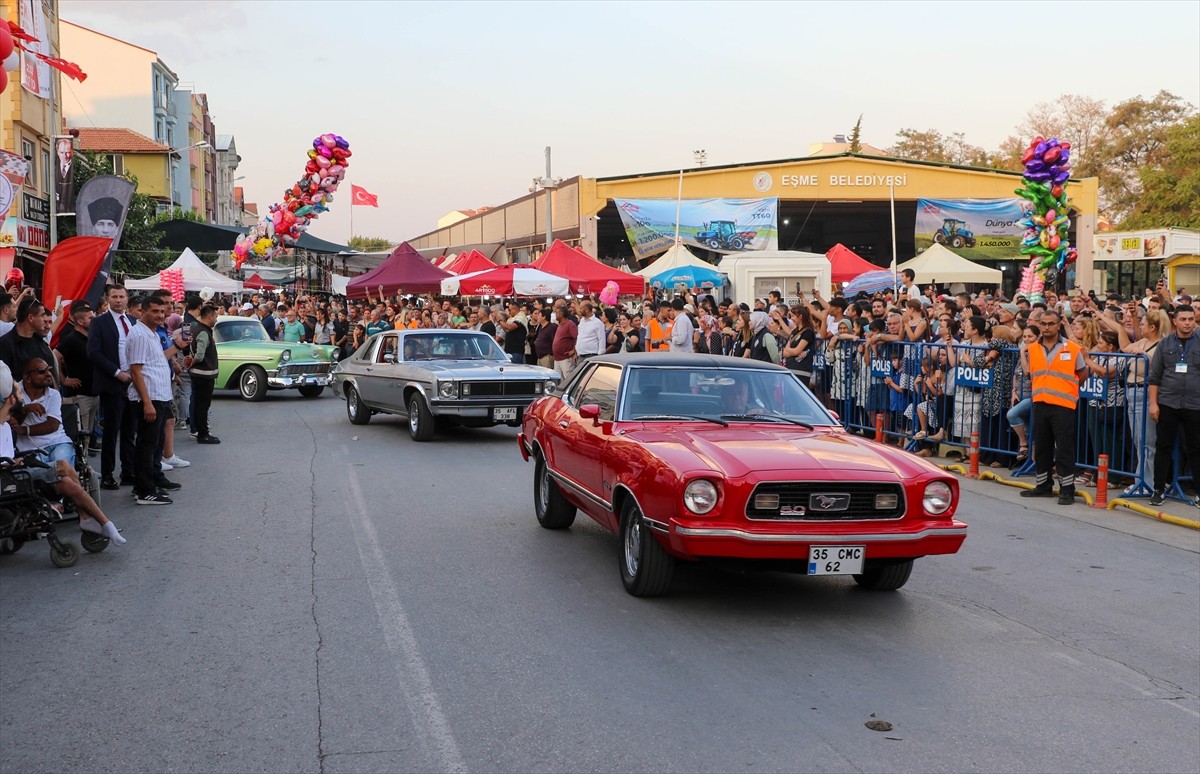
(47, 171)
(117, 162)
(27, 152)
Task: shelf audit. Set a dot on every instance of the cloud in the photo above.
(183, 33)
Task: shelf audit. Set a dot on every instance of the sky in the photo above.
(450, 105)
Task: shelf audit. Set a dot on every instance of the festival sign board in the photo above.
(720, 225)
(973, 228)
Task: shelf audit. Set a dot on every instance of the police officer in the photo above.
(1056, 367)
(1174, 398)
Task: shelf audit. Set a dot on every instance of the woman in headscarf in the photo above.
(708, 339)
(763, 345)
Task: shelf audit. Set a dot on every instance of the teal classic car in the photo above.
(252, 363)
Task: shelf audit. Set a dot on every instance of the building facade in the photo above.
(135, 155)
(822, 201)
(30, 115)
(228, 210)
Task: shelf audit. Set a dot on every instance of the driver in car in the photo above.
(735, 399)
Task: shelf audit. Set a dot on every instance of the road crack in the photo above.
(312, 547)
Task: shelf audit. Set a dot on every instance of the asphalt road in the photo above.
(332, 598)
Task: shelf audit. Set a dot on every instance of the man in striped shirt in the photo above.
(150, 401)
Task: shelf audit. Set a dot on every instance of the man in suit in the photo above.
(110, 380)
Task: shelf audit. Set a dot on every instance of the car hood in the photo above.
(738, 451)
(300, 352)
(482, 369)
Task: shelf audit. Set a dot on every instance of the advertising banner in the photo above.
(13, 169)
(1131, 245)
(973, 228)
(35, 74)
(721, 225)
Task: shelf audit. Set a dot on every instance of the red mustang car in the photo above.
(691, 457)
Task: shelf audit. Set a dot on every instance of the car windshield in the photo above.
(724, 394)
(241, 330)
(442, 346)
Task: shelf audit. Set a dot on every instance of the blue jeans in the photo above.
(60, 451)
(1140, 422)
(1018, 415)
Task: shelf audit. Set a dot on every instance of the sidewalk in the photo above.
(1000, 483)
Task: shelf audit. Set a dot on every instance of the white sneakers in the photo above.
(174, 461)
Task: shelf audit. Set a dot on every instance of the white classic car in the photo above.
(443, 376)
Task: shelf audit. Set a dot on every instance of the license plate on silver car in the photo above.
(504, 413)
(835, 560)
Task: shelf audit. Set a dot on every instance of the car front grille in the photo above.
(492, 389)
(297, 369)
(805, 500)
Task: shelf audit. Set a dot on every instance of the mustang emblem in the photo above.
(829, 502)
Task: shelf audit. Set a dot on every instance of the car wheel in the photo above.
(884, 575)
(312, 390)
(252, 384)
(552, 509)
(420, 419)
(646, 569)
(356, 411)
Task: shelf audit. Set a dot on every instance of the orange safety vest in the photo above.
(659, 331)
(1055, 382)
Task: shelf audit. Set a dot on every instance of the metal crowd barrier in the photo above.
(923, 402)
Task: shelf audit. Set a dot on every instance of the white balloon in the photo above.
(6, 381)
(12, 62)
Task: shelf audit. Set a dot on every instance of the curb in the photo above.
(1160, 515)
(1088, 497)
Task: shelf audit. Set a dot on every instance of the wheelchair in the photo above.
(31, 510)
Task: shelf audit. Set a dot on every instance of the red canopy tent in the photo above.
(586, 274)
(470, 261)
(847, 264)
(257, 283)
(404, 271)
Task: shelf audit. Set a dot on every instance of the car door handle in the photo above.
(564, 424)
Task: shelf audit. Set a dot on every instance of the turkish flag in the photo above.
(70, 269)
(360, 197)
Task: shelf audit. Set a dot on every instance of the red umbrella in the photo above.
(847, 264)
(587, 275)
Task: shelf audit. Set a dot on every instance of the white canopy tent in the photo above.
(677, 257)
(196, 276)
(941, 265)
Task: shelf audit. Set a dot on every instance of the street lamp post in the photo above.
(547, 184)
(171, 170)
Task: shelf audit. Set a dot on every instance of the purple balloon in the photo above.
(1040, 149)
(1038, 177)
(1066, 155)
(1062, 177)
(1036, 165)
(341, 142)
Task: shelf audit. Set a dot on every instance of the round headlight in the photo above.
(285, 356)
(938, 497)
(446, 389)
(700, 496)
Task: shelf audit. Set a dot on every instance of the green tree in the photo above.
(856, 136)
(370, 244)
(1170, 189)
(932, 145)
(138, 254)
(1135, 139)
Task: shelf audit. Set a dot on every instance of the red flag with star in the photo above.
(360, 197)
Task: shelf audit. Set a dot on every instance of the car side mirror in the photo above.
(590, 411)
(389, 357)
(836, 416)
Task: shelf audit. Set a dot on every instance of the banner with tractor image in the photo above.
(722, 225)
(973, 228)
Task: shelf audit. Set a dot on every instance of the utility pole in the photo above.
(547, 184)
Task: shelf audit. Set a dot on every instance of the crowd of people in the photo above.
(890, 353)
(147, 366)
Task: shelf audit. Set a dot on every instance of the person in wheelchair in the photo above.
(57, 477)
(41, 424)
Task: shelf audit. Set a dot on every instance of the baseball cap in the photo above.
(689, 308)
(246, 307)
(80, 306)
